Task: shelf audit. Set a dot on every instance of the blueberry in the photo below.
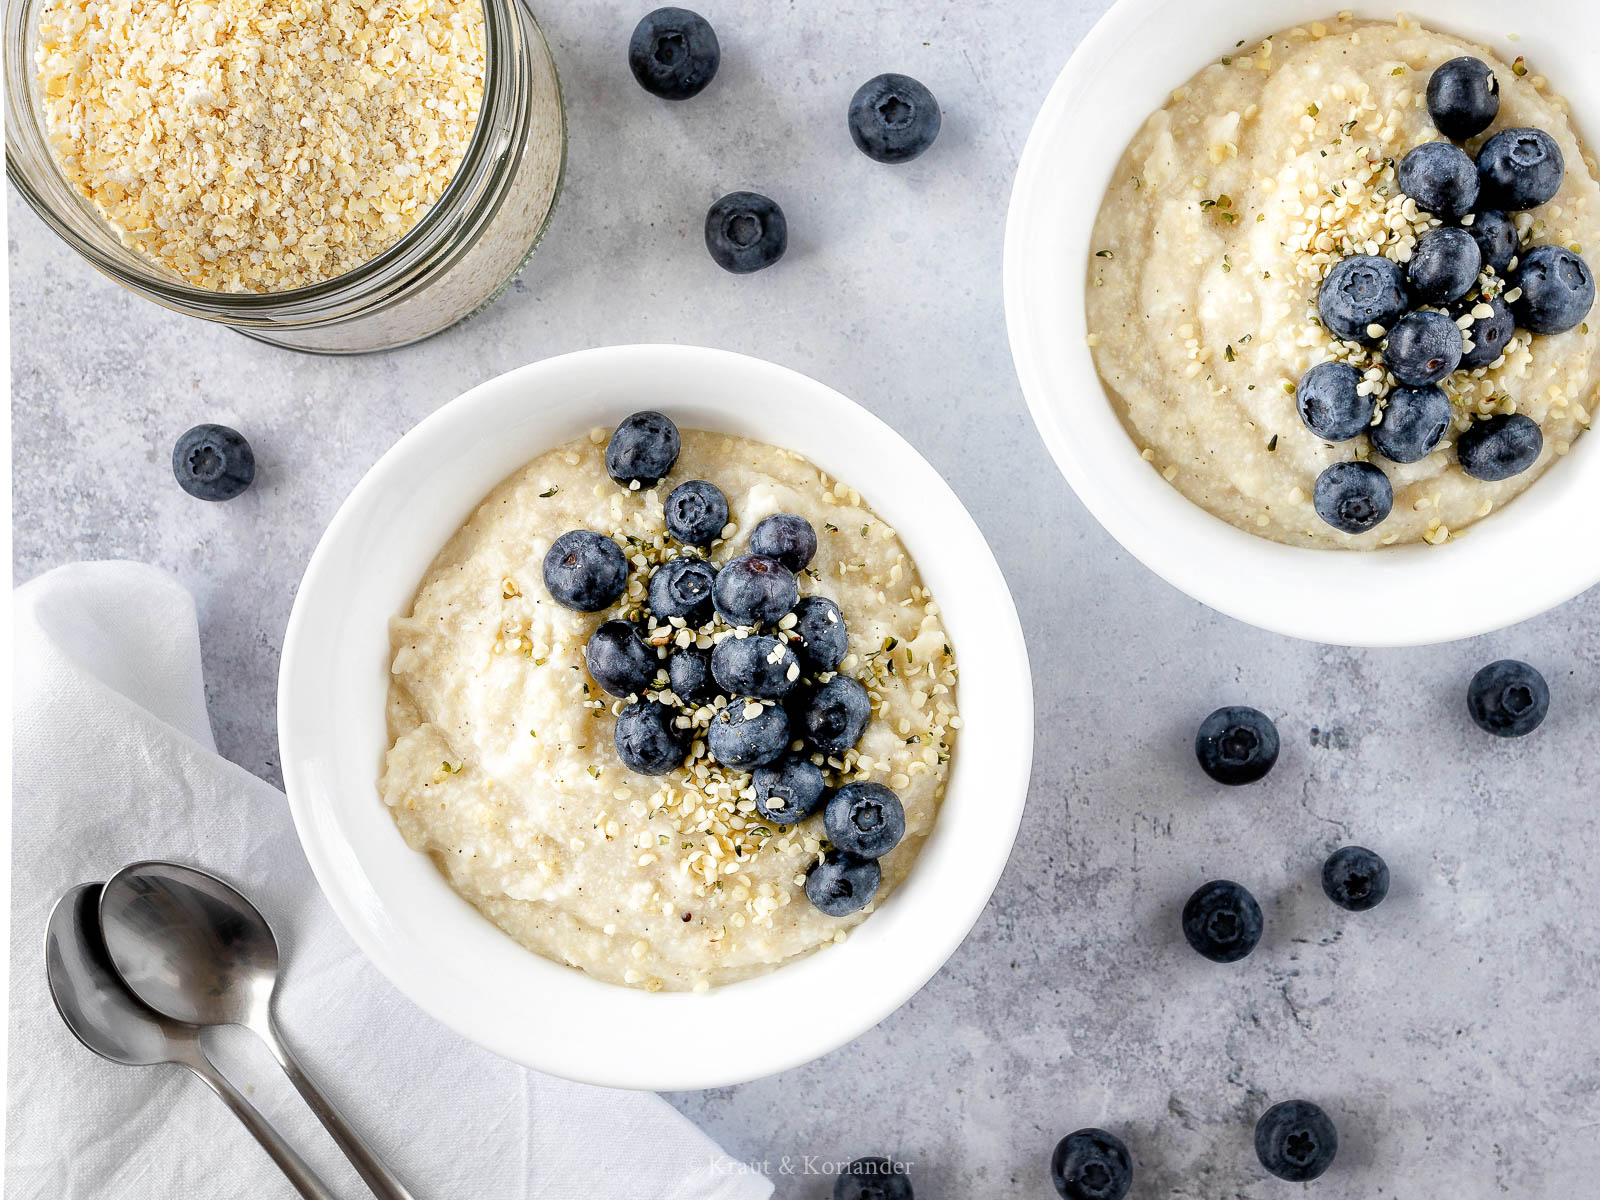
(682, 587)
(585, 571)
(1500, 446)
(893, 118)
(786, 537)
(697, 512)
(1091, 1164)
(1236, 745)
(873, 1179)
(1557, 290)
(1414, 422)
(674, 53)
(213, 462)
(1441, 179)
(1444, 266)
(648, 739)
(689, 675)
(788, 791)
(742, 742)
(864, 819)
(1423, 347)
(1296, 1141)
(1508, 698)
(1355, 878)
(1519, 168)
(1352, 496)
(618, 659)
(745, 231)
(753, 590)
(1330, 404)
(842, 883)
(821, 639)
(1362, 290)
(642, 450)
(1496, 235)
(833, 717)
(1222, 921)
(1463, 97)
(1489, 334)
(758, 666)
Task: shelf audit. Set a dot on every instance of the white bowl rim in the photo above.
(1372, 598)
(932, 911)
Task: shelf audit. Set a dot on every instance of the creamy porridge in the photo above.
(1232, 204)
(504, 766)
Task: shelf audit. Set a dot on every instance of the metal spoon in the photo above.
(105, 1018)
(193, 948)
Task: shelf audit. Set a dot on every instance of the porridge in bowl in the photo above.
(1325, 321)
(672, 708)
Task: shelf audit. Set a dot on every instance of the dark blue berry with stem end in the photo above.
(1508, 698)
(746, 232)
(674, 53)
(213, 462)
(1236, 745)
(696, 512)
(1296, 1141)
(1353, 497)
(585, 571)
(1414, 422)
(893, 118)
(1222, 921)
(1355, 878)
(1091, 1164)
(1330, 402)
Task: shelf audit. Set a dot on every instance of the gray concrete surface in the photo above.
(1451, 1033)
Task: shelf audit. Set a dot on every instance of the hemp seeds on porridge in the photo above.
(1325, 321)
(677, 731)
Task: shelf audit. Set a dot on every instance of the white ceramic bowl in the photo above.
(431, 943)
(1530, 556)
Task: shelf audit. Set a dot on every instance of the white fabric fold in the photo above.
(114, 761)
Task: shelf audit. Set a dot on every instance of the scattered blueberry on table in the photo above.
(1508, 698)
(1236, 745)
(1091, 1164)
(746, 232)
(893, 118)
(674, 53)
(873, 1178)
(1355, 878)
(1295, 1140)
(1222, 921)
(213, 462)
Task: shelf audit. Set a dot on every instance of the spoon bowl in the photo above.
(90, 997)
(189, 945)
(104, 1017)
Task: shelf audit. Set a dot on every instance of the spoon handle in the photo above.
(291, 1164)
(378, 1177)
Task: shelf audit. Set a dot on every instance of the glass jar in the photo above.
(457, 258)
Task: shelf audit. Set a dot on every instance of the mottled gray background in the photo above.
(1451, 1033)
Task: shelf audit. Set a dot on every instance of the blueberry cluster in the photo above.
(1468, 285)
(769, 685)
(674, 54)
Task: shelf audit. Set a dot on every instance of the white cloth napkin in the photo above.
(115, 762)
